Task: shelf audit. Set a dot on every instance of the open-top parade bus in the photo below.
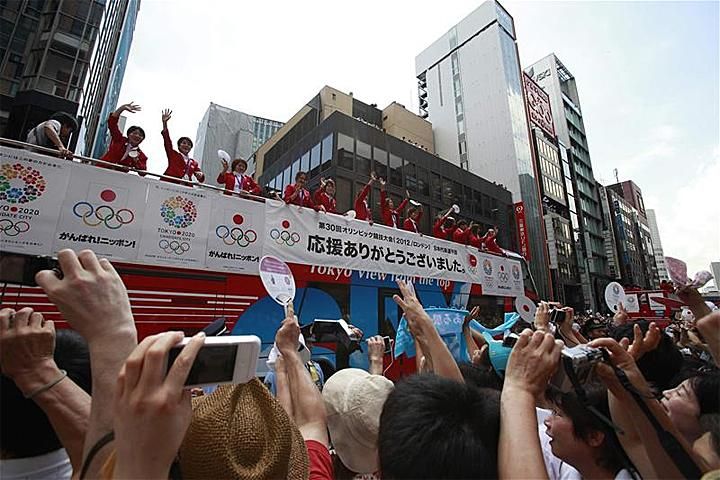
(189, 254)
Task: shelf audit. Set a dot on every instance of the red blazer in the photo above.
(302, 200)
(460, 235)
(439, 230)
(176, 162)
(230, 179)
(117, 148)
(491, 245)
(474, 240)
(410, 225)
(362, 212)
(391, 218)
(322, 198)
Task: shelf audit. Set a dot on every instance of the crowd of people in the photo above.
(627, 402)
(124, 154)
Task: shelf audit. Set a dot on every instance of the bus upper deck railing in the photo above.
(94, 161)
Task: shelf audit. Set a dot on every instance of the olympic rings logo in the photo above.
(235, 236)
(33, 183)
(173, 246)
(503, 276)
(13, 229)
(178, 212)
(280, 237)
(104, 214)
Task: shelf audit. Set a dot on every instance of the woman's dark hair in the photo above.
(184, 138)
(236, 162)
(297, 175)
(585, 422)
(135, 128)
(707, 391)
(65, 120)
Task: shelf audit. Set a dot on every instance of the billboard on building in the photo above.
(538, 105)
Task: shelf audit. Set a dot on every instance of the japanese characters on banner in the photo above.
(523, 239)
(102, 211)
(235, 235)
(304, 236)
(30, 188)
(47, 204)
(175, 230)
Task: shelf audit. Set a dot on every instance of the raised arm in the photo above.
(115, 132)
(27, 343)
(92, 298)
(167, 142)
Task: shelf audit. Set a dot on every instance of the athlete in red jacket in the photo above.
(460, 234)
(440, 230)
(474, 235)
(490, 244)
(125, 151)
(236, 180)
(180, 165)
(362, 212)
(324, 196)
(411, 223)
(391, 215)
(297, 194)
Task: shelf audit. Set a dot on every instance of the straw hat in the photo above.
(354, 400)
(242, 432)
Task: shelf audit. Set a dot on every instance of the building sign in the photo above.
(523, 240)
(538, 105)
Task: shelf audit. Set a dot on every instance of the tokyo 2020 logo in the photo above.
(20, 183)
(235, 235)
(516, 272)
(285, 236)
(178, 212)
(487, 267)
(94, 216)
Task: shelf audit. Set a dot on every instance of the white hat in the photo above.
(354, 400)
(304, 352)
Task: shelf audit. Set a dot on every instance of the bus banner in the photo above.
(31, 190)
(301, 235)
(235, 236)
(175, 230)
(102, 211)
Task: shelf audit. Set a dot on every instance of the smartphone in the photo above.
(20, 269)
(388, 344)
(229, 359)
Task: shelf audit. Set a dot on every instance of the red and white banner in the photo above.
(523, 236)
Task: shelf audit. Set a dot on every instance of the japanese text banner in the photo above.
(304, 236)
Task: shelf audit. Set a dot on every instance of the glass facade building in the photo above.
(46, 49)
(470, 87)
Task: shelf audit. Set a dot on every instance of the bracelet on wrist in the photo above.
(47, 386)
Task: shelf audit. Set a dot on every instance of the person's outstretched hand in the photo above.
(153, 411)
(533, 361)
(91, 296)
(642, 344)
(621, 316)
(166, 115)
(287, 338)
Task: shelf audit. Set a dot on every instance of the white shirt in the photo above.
(238, 182)
(556, 468)
(50, 466)
(37, 135)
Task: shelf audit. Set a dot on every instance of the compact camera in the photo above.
(20, 269)
(557, 316)
(577, 366)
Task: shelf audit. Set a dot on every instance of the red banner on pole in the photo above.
(523, 241)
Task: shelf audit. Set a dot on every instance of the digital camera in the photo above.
(577, 366)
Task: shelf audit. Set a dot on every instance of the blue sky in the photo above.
(647, 75)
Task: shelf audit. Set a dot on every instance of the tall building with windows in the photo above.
(106, 74)
(45, 50)
(657, 246)
(557, 81)
(470, 88)
(238, 133)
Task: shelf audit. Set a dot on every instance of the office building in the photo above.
(715, 270)
(558, 197)
(632, 194)
(657, 245)
(238, 133)
(46, 48)
(557, 81)
(470, 88)
(335, 135)
(107, 71)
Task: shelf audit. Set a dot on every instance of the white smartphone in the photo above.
(228, 359)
